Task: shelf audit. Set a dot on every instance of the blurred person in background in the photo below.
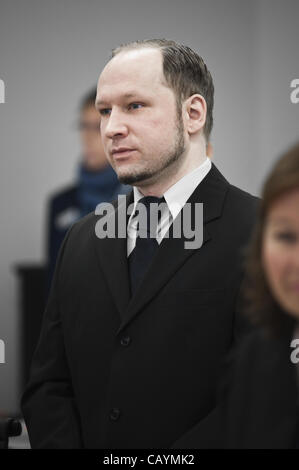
(96, 182)
(261, 389)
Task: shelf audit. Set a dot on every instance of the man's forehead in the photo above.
(136, 64)
(131, 57)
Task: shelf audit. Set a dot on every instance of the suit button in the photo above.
(114, 414)
(125, 341)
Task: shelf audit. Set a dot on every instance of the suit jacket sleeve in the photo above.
(48, 403)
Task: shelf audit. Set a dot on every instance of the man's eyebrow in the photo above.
(129, 95)
(99, 103)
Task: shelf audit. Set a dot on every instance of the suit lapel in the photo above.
(172, 253)
(112, 254)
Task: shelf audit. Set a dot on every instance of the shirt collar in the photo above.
(178, 194)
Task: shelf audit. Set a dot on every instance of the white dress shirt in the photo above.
(176, 197)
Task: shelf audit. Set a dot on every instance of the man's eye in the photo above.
(104, 111)
(135, 105)
(286, 237)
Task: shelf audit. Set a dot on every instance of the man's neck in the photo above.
(159, 187)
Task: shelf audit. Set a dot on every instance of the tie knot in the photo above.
(149, 210)
(148, 200)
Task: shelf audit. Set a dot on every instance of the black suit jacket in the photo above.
(119, 372)
(259, 394)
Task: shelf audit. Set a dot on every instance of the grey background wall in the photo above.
(52, 52)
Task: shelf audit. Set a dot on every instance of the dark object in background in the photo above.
(9, 427)
(31, 299)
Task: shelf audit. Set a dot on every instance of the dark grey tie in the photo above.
(146, 243)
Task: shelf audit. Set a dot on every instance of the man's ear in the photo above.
(195, 113)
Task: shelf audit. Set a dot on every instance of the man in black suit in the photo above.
(136, 326)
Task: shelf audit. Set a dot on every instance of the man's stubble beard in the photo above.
(166, 161)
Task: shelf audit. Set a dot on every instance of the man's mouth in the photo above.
(122, 152)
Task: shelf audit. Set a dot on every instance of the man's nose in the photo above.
(116, 125)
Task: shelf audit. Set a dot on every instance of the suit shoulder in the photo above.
(86, 225)
(243, 196)
(237, 198)
(241, 204)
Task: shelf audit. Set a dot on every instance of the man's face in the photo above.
(142, 134)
